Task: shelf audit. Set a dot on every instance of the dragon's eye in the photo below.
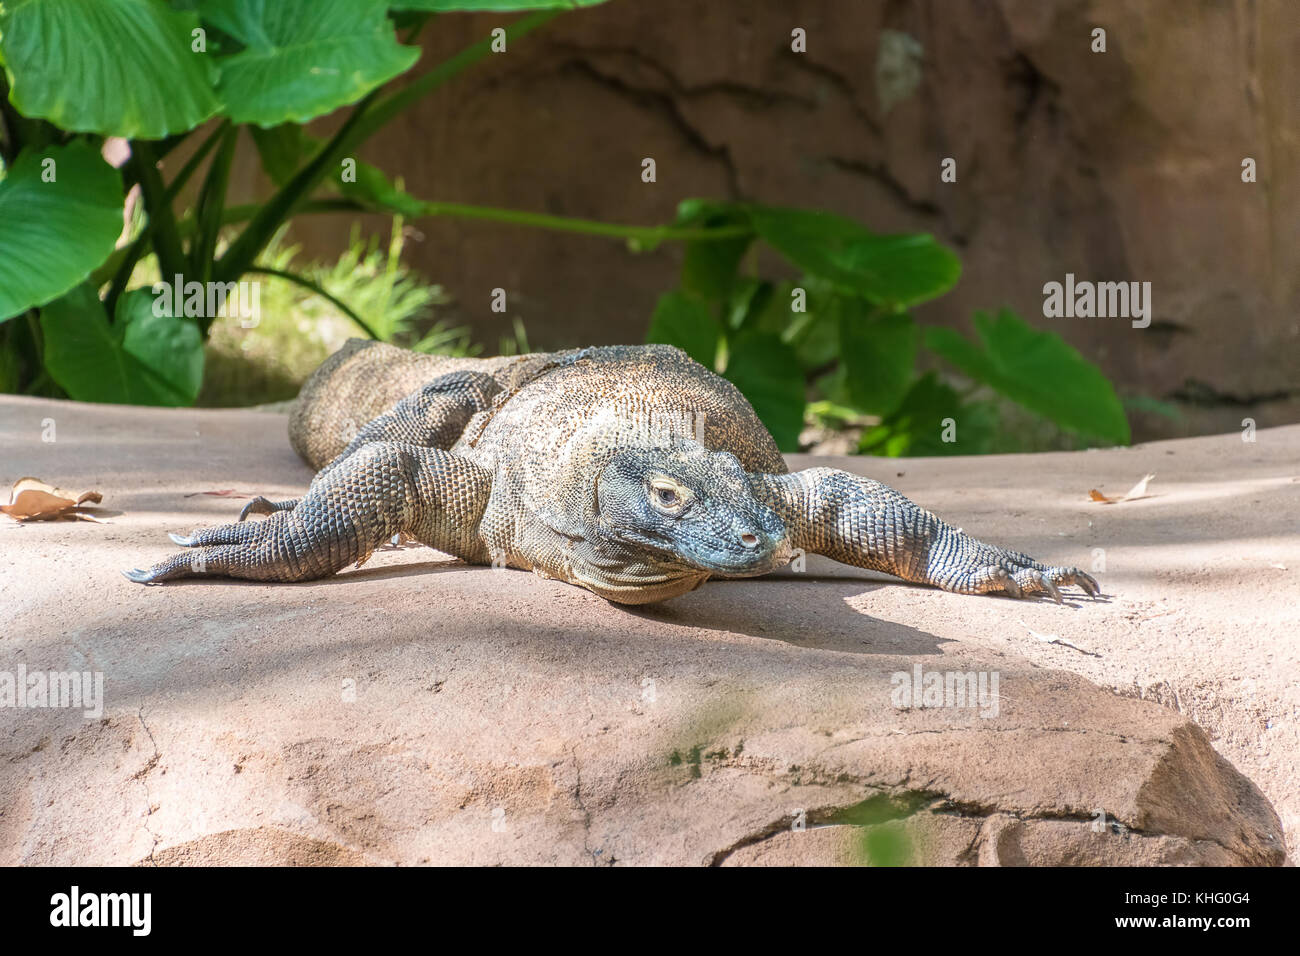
(667, 494)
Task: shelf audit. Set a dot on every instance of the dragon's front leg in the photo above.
(379, 490)
(862, 522)
(432, 416)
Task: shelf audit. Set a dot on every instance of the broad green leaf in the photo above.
(814, 331)
(116, 67)
(816, 337)
(767, 372)
(1038, 369)
(930, 412)
(709, 266)
(53, 234)
(170, 348)
(141, 359)
(303, 58)
(450, 6)
(879, 353)
(747, 302)
(282, 149)
(892, 271)
(685, 322)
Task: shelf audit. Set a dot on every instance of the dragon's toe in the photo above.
(1049, 581)
(262, 505)
(1001, 579)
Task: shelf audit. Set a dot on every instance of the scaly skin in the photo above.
(631, 471)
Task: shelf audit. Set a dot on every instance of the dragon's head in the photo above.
(690, 506)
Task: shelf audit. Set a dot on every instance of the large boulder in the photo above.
(419, 710)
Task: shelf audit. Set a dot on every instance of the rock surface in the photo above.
(418, 710)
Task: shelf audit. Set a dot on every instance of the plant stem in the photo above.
(368, 116)
(589, 227)
(166, 239)
(319, 290)
(212, 202)
(131, 255)
(229, 215)
(243, 252)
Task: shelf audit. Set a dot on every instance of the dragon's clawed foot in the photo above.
(1021, 582)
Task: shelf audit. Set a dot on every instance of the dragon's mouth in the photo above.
(768, 553)
(767, 556)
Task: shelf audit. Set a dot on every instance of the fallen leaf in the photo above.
(34, 500)
(223, 493)
(1137, 491)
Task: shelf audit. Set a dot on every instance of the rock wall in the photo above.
(1122, 166)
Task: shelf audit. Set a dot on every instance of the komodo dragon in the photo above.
(629, 470)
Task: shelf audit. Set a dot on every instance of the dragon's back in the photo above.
(587, 402)
(553, 408)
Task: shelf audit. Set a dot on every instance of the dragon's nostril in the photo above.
(749, 540)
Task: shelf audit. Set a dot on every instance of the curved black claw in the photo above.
(1007, 582)
(261, 505)
(1049, 580)
(1087, 582)
(183, 540)
(139, 576)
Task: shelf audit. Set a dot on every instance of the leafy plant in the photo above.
(198, 74)
(159, 74)
(268, 360)
(840, 345)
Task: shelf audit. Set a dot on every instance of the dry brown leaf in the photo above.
(35, 500)
(1137, 491)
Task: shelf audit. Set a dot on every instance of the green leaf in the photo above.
(891, 271)
(748, 302)
(930, 411)
(141, 359)
(373, 186)
(685, 322)
(1037, 369)
(709, 266)
(282, 149)
(304, 58)
(814, 331)
(449, 6)
(767, 372)
(55, 233)
(169, 348)
(115, 67)
(879, 354)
